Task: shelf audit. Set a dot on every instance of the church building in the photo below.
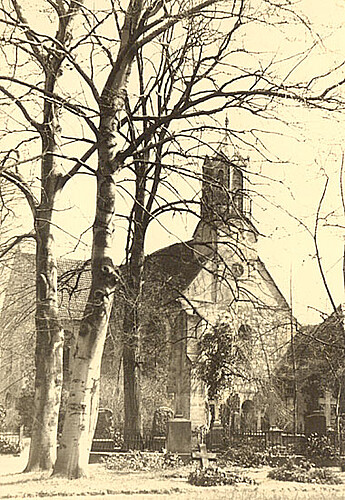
(190, 287)
(215, 278)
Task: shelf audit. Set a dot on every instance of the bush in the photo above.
(139, 460)
(251, 455)
(25, 408)
(305, 472)
(217, 477)
(8, 448)
(243, 455)
(321, 450)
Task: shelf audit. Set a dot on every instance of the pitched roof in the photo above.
(74, 278)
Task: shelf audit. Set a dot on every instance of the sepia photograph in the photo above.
(172, 249)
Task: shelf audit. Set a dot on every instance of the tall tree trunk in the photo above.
(49, 347)
(132, 352)
(49, 333)
(132, 320)
(81, 412)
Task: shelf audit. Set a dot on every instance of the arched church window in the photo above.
(220, 176)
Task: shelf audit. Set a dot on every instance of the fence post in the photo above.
(275, 436)
(21, 435)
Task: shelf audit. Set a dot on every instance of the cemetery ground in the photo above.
(159, 484)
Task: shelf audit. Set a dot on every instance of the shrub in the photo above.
(139, 460)
(217, 477)
(244, 455)
(305, 472)
(321, 450)
(25, 408)
(9, 448)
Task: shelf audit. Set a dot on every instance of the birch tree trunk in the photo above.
(49, 349)
(49, 334)
(82, 404)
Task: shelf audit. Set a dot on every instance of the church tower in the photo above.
(225, 227)
(223, 192)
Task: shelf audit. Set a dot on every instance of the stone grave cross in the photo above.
(204, 456)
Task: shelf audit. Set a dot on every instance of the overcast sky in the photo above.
(309, 148)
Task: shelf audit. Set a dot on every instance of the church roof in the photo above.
(74, 280)
(170, 270)
(271, 283)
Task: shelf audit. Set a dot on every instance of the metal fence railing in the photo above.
(146, 441)
(12, 437)
(219, 440)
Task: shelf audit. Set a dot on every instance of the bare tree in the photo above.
(39, 120)
(205, 79)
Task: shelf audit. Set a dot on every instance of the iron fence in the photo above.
(11, 437)
(144, 441)
(263, 439)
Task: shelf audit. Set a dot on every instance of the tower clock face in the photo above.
(237, 269)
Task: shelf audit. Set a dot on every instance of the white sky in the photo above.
(311, 147)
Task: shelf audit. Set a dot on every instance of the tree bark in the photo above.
(81, 413)
(82, 404)
(132, 320)
(49, 341)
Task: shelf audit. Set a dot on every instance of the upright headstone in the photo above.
(180, 436)
(215, 438)
(327, 402)
(161, 417)
(315, 423)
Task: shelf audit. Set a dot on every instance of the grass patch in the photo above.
(305, 472)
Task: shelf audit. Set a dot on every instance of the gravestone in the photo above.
(274, 437)
(215, 438)
(204, 456)
(161, 417)
(104, 426)
(179, 438)
(315, 423)
(328, 403)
